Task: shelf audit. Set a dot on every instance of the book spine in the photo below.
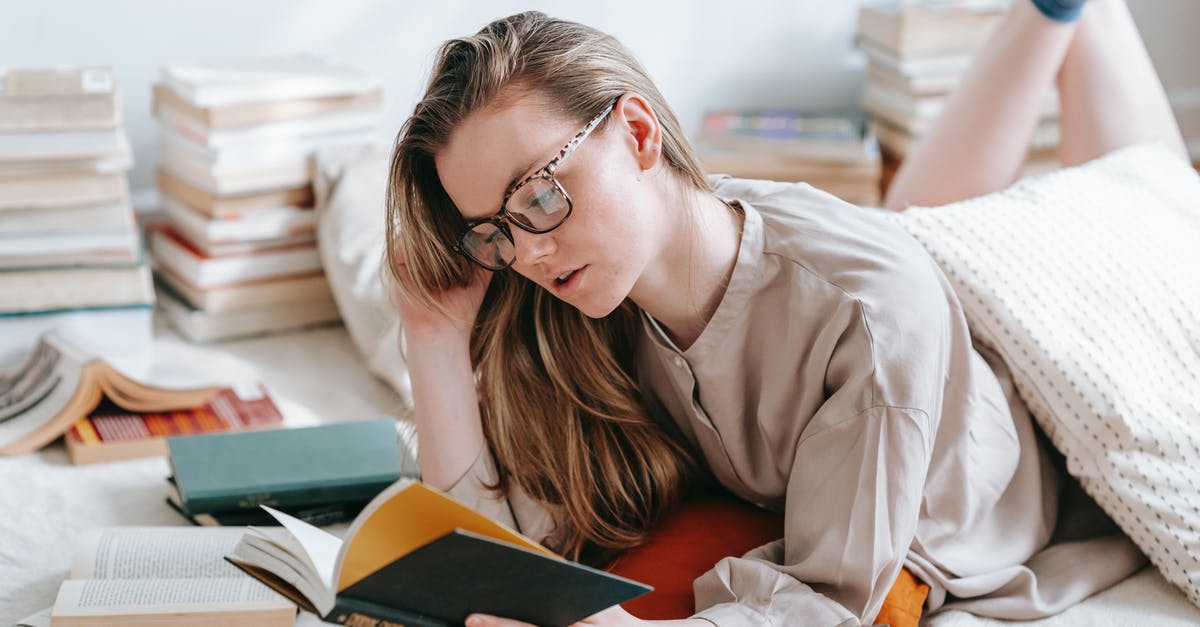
(207, 503)
(360, 613)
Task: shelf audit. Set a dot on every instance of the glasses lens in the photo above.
(538, 205)
(489, 245)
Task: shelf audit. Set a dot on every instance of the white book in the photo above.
(243, 182)
(61, 289)
(285, 130)
(254, 80)
(165, 576)
(61, 145)
(279, 225)
(304, 288)
(916, 65)
(202, 270)
(115, 163)
(63, 189)
(69, 249)
(109, 331)
(274, 152)
(103, 218)
(199, 325)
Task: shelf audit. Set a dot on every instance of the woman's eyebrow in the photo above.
(520, 173)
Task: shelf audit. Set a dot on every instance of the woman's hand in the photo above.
(461, 306)
(615, 616)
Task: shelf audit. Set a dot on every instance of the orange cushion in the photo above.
(708, 528)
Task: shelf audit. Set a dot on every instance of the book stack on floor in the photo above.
(323, 474)
(834, 151)
(70, 255)
(237, 255)
(917, 53)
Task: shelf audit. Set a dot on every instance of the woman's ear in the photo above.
(643, 133)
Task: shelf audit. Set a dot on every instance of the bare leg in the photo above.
(1109, 93)
(982, 136)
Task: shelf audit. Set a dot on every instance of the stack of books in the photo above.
(917, 53)
(70, 255)
(237, 255)
(834, 151)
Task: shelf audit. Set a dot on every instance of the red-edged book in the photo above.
(110, 433)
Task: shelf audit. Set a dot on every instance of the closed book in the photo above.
(112, 433)
(243, 114)
(57, 81)
(203, 270)
(71, 248)
(102, 218)
(68, 288)
(212, 84)
(939, 64)
(820, 136)
(62, 189)
(415, 556)
(50, 145)
(318, 515)
(59, 113)
(280, 225)
(913, 28)
(199, 325)
(244, 180)
(118, 162)
(236, 205)
(285, 467)
(271, 132)
(249, 295)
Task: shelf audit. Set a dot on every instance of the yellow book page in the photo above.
(408, 520)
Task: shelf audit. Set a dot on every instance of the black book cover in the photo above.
(462, 573)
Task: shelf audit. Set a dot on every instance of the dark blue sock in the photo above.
(1060, 10)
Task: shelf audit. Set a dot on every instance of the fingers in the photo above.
(485, 620)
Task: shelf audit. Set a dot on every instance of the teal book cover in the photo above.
(346, 461)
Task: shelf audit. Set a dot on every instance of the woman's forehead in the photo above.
(495, 145)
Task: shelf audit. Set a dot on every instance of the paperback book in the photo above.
(418, 558)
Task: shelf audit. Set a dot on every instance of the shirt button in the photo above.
(678, 361)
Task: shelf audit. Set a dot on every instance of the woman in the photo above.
(630, 327)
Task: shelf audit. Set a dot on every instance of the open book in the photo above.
(418, 558)
(60, 382)
(164, 576)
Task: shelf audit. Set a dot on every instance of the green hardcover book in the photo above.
(348, 461)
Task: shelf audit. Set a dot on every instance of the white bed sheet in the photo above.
(317, 376)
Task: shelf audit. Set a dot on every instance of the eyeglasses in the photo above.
(536, 204)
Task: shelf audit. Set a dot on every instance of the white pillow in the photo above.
(1087, 282)
(349, 185)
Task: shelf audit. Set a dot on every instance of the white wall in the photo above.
(704, 54)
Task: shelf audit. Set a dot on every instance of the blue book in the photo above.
(338, 462)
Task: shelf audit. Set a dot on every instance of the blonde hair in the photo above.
(562, 411)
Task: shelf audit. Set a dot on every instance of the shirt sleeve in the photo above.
(514, 508)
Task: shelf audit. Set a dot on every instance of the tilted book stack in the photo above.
(70, 255)
(916, 54)
(238, 254)
(831, 150)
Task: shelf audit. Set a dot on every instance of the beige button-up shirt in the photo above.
(837, 383)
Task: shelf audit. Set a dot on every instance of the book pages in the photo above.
(155, 552)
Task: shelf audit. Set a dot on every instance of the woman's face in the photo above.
(612, 234)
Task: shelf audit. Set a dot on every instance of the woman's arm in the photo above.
(445, 404)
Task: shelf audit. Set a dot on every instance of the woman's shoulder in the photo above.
(854, 249)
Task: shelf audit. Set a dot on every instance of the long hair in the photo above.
(562, 411)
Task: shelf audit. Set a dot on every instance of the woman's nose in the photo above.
(532, 247)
